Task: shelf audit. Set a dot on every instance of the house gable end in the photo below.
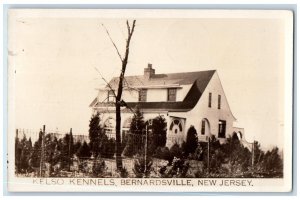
(215, 88)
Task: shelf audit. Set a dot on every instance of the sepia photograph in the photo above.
(150, 100)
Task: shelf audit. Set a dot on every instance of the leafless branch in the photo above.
(128, 85)
(130, 32)
(139, 80)
(113, 43)
(128, 27)
(106, 82)
(123, 102)
(125, 60)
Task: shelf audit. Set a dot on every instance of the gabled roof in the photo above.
(93, 102)
(199, 81)
(185, 78)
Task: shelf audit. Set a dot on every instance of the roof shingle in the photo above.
(185, 78)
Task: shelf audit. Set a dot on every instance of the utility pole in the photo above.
(208, 164)
(146, 150)
(230, 152)
(42, 152)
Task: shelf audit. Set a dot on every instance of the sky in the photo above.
(52, 60)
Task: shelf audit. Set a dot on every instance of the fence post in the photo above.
(42, 151)
(70, 137)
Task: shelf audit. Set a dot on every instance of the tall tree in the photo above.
(17, 154)
(109, 149)
(137, 130)
(119, 101)
(65, 152)
(159, 131)
(25, 154)
(137, 124)
(258, 157)
(36, 154)
(134, 140)
(50, 144)
(77, 146)
(94, 133)
(71, 143)
(71, 148)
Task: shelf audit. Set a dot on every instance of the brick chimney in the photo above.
(149, 72)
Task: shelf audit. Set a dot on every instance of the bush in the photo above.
(163, 153)
(199, 152)
(139, 167)
(99, 167)
(178, 169)
(272, 162)
(83, 167)
(132, 148)
(191, 141)
(124, 173)
(200, 174)
(176, 151)
(108, 148)
(84, 151)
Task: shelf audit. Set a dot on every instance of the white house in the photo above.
(183, 99)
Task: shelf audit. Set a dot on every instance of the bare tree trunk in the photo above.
(118, 137)
(119, 101)
(119, 96)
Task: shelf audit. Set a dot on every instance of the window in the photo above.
(175, 126)
(143, 95)
(203, 127)
(172, 94)
(209, 100)
(109, 128)
(222, 129)
(111, 96)
(126, 127)
(219, 101)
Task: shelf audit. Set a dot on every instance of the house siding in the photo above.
(212, 114)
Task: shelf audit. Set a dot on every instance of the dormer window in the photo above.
(111, 96)
(172, 94)
(142, 95)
